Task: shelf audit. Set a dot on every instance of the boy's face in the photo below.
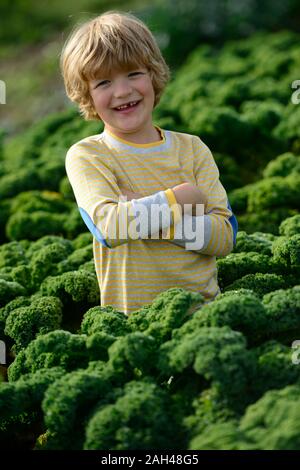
(133, 122)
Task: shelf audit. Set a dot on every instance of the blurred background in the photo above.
(32, 33)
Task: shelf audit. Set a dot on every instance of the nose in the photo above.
(122, 87)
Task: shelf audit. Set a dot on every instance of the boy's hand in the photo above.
(187, 193)
(130, 194)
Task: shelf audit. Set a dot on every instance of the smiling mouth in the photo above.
(129, 105)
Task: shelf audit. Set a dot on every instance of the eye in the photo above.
(135, 73)
(101, 83)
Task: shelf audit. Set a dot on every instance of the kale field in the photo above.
(169, 376)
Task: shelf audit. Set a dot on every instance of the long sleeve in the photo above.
(112, 220)
(215, 232)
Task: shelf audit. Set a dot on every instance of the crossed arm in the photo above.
(184, 193)
(187, 193)
(187, 197)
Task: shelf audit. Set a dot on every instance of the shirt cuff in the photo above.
(175, 211)
(156, 212)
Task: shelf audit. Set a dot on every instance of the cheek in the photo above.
(147, 88)
(101, 103)
(148, 93)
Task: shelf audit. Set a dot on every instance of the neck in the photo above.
(137, 138)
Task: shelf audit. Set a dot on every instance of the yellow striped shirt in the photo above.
(131, 272)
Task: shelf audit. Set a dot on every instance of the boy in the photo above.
(114, 70)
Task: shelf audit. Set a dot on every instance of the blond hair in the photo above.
(111, 41)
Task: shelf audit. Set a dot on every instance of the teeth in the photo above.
(126, 105)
